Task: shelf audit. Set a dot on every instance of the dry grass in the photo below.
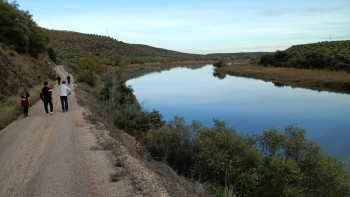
(314, 79)
(11, 109)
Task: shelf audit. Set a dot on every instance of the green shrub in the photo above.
(120, 60)
(274, 164)
(115, 177)
(219, 151)
(126, 111)
(52, 54)
(12, 108)
(295, 166)
(91, 63)
(87, 76)
(118, 163)
(219, 64)
(20, 31)
(173, 144)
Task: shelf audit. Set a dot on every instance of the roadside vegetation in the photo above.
(277, 163)
(10, 106)
(26, 59)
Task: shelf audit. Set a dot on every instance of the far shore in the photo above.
(320, 80)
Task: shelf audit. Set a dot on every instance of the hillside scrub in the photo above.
(108, 50)
(333, 56)
(24, 60)
(19, 31)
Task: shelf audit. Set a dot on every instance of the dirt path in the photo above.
(53, 156)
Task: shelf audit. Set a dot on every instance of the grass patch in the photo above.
(10, 109)
(321, 80)
(108, 145)
(11, 106)
(115, 177)
(118, 163)
(103, 144)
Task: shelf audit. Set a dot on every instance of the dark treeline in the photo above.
(20, 32)
(332, 56)
(23, 51)
(277, 163)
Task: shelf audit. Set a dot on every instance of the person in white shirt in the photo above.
(64, 93)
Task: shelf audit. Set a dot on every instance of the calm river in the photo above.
(247, 105)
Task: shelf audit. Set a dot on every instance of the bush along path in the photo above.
(277, 163)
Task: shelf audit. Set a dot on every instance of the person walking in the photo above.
(64, 93)
(58, 80)
(68, 79)
(46, 97)
(25, 102)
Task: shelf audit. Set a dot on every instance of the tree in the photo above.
(37, 41)
(19, 30)
(120, 60)
(272, 143)
(296, 167)
(324, 176)
(52, 54)
(219, 64)
(90, 62)
(267, 59)
(87, 76)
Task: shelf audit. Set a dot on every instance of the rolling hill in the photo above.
(332, 56)
(72, 45)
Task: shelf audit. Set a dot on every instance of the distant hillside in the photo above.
(168, 53)
(237, 55)
(322, 55)
(72, 45)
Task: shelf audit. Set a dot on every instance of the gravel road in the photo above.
(53, 156)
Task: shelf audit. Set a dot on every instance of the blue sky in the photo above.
(200, 26)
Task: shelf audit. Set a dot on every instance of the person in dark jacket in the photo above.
(58, 80)
(46, 97)
(68, 79)
(25, 102)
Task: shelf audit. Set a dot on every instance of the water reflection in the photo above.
(279, 85)
(219, 74)
(248, 105)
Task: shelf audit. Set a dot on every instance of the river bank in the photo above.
(176, 139)
(319, 80)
